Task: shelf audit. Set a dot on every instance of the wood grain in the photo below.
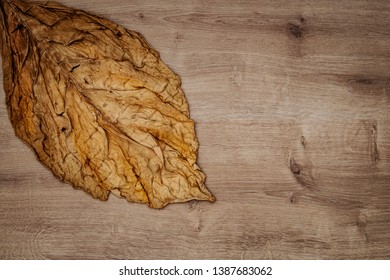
(292, 105)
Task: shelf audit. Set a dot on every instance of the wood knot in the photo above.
(198, 228)
(302, 173)
(297, 31)
(361, 221)
(141, 16)
(293, 199)
(371, 129)
(303, 142)
(361, 224)
(192, 204)
(364, 81)
(295, 167)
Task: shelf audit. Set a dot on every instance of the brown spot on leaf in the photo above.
(18, 27)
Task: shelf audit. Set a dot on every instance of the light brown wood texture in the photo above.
(291, 101)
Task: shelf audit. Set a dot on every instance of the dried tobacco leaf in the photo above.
(98, 106)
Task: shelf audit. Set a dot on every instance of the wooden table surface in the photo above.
(292, 105)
